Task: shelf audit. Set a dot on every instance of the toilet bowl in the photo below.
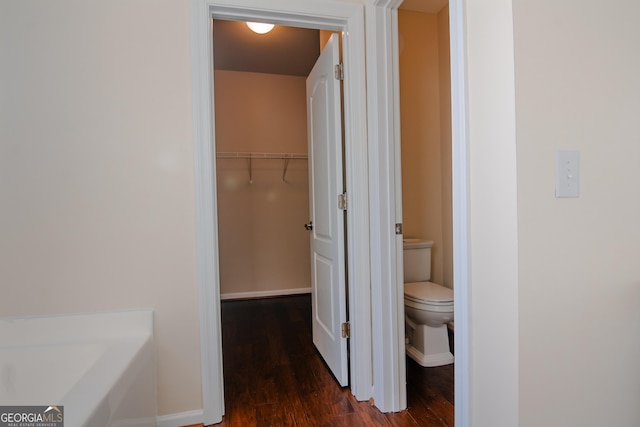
(428, 308)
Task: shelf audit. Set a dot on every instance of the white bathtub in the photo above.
(100, 367)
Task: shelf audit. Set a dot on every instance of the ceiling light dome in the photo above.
(260, 27)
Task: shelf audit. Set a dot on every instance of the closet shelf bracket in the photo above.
(284, 168)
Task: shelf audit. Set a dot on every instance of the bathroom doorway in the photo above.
(426, 152)
(425, 119)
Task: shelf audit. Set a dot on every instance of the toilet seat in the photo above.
(427, 294)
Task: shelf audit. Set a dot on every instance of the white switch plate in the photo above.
(568, 174)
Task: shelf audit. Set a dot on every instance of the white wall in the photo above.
(96, 171)
(577, 86)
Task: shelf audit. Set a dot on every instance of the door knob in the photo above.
(309, 226)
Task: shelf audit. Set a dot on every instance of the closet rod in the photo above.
(245, 155)
(286, 157)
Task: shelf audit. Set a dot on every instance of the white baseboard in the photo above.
(264, 294)
(181, 419)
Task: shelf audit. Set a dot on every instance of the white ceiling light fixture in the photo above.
(260, 27)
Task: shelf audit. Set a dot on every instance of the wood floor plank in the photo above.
(401, 419)
(274, 376)
(275, 414)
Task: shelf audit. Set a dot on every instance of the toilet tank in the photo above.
(417, 260)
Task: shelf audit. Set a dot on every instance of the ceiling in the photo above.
(427, 6)
(284, 50)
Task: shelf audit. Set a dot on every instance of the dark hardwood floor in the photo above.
(274, 376)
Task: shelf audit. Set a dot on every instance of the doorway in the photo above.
(424, 80)
(336, 16)
(261, 158)
(367, 221)
(264, 197)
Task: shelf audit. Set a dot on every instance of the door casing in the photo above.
(335, 15)
(389, 373)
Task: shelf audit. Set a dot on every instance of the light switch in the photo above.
(568, 174)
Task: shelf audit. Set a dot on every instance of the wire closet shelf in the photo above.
(285, 157)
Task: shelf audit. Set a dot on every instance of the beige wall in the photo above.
(96, 178)
(426, 134)
(96, 171)
(325, 35)
(577, 88)
(444, 73)
(263, 244)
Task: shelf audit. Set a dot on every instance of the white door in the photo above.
(324, 127)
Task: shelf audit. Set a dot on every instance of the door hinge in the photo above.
(339, 72)
(342, 201)
(399, 228)
(346, 330)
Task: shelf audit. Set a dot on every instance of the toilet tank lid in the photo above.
(410, 243)
(428, 291)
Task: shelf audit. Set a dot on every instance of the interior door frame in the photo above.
(348, 18)
(384, 141)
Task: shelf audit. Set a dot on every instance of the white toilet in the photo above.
(428, 308)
